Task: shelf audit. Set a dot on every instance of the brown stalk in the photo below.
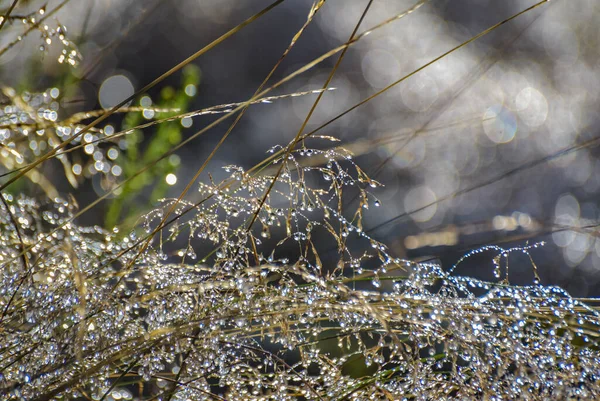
(8, 12)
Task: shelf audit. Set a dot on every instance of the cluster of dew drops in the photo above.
(49, 36)
(31, 126)
(216, 307)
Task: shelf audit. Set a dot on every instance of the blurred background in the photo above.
(493, 144)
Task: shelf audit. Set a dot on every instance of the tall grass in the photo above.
(266, 287)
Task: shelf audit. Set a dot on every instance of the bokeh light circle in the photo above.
(114, 90)
(499, 124)
(416, 199)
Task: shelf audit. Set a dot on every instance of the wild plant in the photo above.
(266, 285)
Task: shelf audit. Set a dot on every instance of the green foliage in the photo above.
(128, 203)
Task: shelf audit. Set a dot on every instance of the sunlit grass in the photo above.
(267, 286)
